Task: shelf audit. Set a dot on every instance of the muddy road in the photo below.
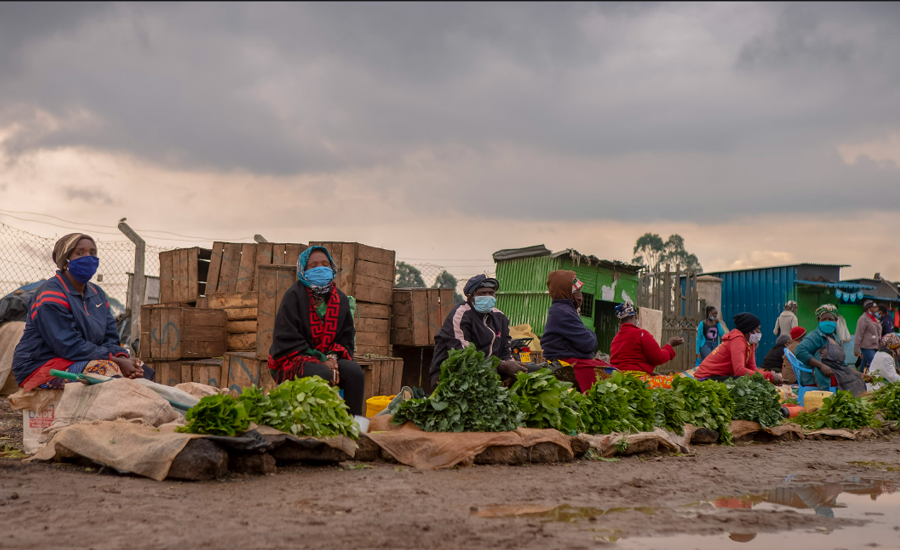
(585, 504)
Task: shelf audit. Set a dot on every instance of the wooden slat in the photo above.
(401, 321)
(274, 281)
(242, 342)
(362, 350)
(348, 273)
(377, 271)
(180, 272)
(372, 339)
(375, 255)
(231, 264)
(264, 254)
(447, 305)
(266, 382)
(386, 377)
(241, 313)
(166, 292)
(187, 373)
(369, 381)
(292, 252)
(373, 325)
(373, 311)
(215, 267)
(278, 254)
(242, 326)
(403, 337)
(246, 269)
(420, 318)
(373, 295)
(194, 317)
(240, 370)
(398, 376)
(373, 282)
(434, 313)
(193, 280)
(222, 300)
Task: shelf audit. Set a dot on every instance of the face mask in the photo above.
(484, 304)
(83, 268)
(319, 276)
(755, 337)
(878, 315)
(828, 327)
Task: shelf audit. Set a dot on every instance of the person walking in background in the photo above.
(868, 335)
(884, 365)
(787, 372)
(709, 334)
(787, 320)
(887, 320)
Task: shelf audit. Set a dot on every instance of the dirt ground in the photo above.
(10, 429)
(381, 505)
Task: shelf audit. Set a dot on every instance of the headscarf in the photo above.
(797, 332)
(480, 281)
(65, 246)
(317, 291)
(890, 341)
(746, 322)
(625, 310)
(791, 305)
(868, 304)
(826, 308)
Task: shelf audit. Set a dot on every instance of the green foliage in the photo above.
(304, 407)
(670, 413)
(216, 415)
(446, 280)
(887, 400)
(621, 403)
(840, 410)
(547, 402)
(707, 404)
(755, 400)
(252, 397)
(651, 251)
(408, 276)
(469, 398)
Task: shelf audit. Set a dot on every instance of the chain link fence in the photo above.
(436, 276)
(26, 258)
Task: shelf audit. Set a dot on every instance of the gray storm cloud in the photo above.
(635, 112)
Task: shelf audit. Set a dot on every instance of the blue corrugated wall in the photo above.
(761, 292)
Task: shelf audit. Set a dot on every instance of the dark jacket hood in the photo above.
(559, 283)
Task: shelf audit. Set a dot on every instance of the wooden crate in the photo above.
(232, 267)
(242, 369)
(278, 253)
(182, 274)
(168, 373)
(174, 332)
(205, 371)
(383, 375)
(364, 272)
(418, 314)
(274, 281)
(416, 365)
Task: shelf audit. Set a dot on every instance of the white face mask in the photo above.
(755, 337)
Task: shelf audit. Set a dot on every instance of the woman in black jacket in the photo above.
(774, 359)
(314, 332)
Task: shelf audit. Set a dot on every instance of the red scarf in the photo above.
(325, 330)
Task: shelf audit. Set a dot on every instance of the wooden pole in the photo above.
(138, 281)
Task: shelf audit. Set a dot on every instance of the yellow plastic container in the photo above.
(813, 399)
(375, 405)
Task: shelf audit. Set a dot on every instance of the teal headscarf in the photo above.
(301, 269)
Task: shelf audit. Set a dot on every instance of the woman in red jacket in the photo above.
(635, 350)
(736, 355)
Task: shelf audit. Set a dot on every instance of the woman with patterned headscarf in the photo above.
(824, 355)
(635, 350)
(69, 326)
(314, 332)
(884, 364)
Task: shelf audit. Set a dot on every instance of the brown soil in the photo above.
(10, 428)
(385, 506)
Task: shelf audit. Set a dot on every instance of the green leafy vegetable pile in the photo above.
(887, 400)
(469, 398)
(707, 404)
(755, 400)
(670, 413)
(547, 402)
(840, 410)
(216, 415)
(302, 407)
(620, 403)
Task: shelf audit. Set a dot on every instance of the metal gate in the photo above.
(675, 294)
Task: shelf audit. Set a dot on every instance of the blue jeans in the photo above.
(867, 356)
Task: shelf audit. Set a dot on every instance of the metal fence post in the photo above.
(138, 281)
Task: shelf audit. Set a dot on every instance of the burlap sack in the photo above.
(118, 398)
(10, 334)
(612, 444)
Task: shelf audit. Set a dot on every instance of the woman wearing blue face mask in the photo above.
(478, 322)
(314, 330)
(821, 352)
(69, 326)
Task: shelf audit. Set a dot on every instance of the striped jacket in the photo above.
(64, 326)
(463, 326)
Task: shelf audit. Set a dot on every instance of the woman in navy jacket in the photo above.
(69, 326)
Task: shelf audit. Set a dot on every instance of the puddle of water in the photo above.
(563, 514)
(883, 466)
(856, 498)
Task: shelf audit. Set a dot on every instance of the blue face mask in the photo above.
(827, 327)
(484, 304)
(83, 268)
(878, 315)
(319, 276)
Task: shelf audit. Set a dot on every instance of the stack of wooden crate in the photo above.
(418, 314)
(182, 275)
(173, 336)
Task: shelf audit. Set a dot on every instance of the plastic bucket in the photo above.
(375, 405)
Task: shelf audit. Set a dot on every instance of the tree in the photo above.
(651, 251)
(446, 280)
(408, 276)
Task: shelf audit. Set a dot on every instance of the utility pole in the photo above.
(138, 281)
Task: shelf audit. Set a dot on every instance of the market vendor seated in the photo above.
(636, 351)
(821, 352)
(736, 355)
(69, 326)
(478, 322)
(314, 331)
(565, 336)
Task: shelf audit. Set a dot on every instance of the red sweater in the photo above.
(634, 348)
(734, 357)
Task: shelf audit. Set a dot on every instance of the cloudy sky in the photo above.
(763, 134)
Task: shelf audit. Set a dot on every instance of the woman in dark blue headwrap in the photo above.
(314, 332)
